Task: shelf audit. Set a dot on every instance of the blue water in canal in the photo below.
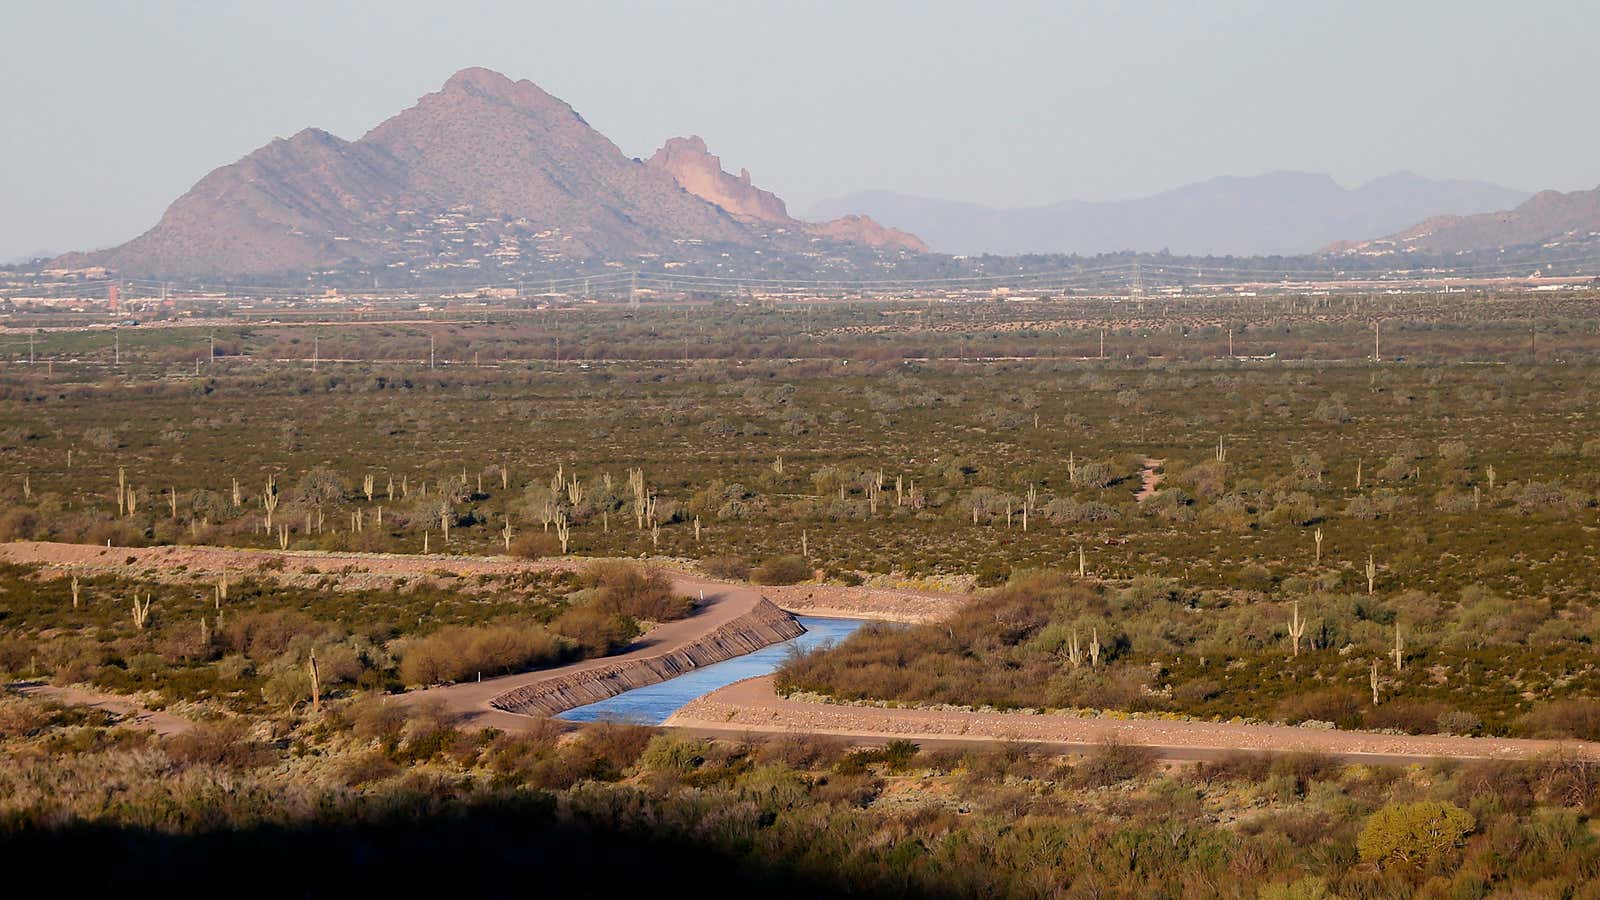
(652, 704)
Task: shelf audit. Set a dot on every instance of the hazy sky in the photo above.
(108, 111)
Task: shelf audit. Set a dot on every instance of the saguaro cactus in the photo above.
(1399, 649)
(563, 530)
(1317, 536)
(1297, 628)
(75, 589)
(1372, 574)
(141, 612)
(316, 685)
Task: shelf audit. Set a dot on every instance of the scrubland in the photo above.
(1403, 543)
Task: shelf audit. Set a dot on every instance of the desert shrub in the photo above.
(1412, 717)
(857, 790)
(367, 768)
(225, 744)
(668, 752)
(1235, 766)
(535, 545)
(264, 636)
(1309, 887)
(1455, 721)
(1111, 762)
(732, 568)
(897, 755)
(287, 687)
(782, 570)
(18, 524)
(594, 632)
(627, 590)
(802, 751)
(1340, 706)
(1563, 719)
(617, 745)
(319, 486)
(460, 652)
(1416, 833)
(376, 718)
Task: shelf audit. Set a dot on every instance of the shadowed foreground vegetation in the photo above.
(371, 797)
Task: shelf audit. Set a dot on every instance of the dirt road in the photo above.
(1149, 479)
(132, 714)
(753, 707)
(308, 566)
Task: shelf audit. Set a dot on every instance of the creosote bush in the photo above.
(779, 570)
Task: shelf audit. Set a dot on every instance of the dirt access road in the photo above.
(753, 706)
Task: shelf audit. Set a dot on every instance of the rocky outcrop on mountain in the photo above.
(484, 172)
(700, 173)
(697, 171)
(1550, 217)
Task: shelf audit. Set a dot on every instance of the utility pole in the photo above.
(212, 355)
(316, 350)
(1376, 327)
(430, 351)
(633, 291)
(116, 345)
(30, 348)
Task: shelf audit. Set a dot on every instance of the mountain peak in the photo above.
(484, 174)
(482, 80)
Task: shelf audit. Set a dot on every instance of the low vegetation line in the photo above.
(762, 626)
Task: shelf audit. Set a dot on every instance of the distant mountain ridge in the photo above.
(1549, 217)
(1281, 213)
(700, 173)
(486, 172)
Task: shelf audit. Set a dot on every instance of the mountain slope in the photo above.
(484, 173)
(1548, 217)
(1278, 213)
(700, 173)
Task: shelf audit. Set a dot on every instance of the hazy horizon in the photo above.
(1029, 104)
